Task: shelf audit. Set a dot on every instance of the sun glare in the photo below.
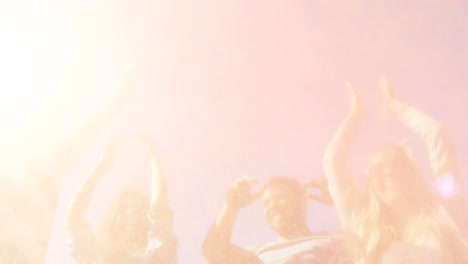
(38, 46)
(35, 50)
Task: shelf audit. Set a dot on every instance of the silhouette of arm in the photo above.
(341, 184)
(162, 247)
(445, 171)
(217, 247)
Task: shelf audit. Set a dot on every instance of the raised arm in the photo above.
(159, 195)
(340, 181)
(162, 241)
(89, 130)
(217, 247)
(80, 237)
(82, 198)
(445, 172)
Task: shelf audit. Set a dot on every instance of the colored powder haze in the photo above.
(257, 88)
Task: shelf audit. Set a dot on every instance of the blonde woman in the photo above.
(400, 217)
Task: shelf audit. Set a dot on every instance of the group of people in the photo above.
(397, 216)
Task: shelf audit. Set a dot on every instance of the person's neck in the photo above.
(299, 232)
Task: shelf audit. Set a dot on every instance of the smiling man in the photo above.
(285, 209)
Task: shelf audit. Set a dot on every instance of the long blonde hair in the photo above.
(431, 226)
(124, 228)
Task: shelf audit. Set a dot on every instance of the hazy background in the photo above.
(240, 88)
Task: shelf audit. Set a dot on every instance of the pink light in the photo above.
(446, 185)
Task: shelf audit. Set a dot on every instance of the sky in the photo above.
(253, 88)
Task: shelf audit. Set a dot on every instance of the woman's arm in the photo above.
(82, 198)
(80, 237)
(340, 181)
(162, 244)
(217, 247)
(445, 172)
(159, 194)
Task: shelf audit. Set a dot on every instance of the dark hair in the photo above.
(124, 228)
(292, 190)
(290, 184)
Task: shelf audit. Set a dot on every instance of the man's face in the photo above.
(282, 209)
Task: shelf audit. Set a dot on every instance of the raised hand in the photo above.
(240, 194)
(322, 185)
(111, 154)
(355, 103)
(148, 144)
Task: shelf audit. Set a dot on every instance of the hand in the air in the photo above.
(111, 154)
(322, 185)
(240, 194)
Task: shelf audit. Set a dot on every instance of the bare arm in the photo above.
(340, 181)
(217, 247)
(445, 171)
(72, 146)
(80, 236)
(80, 239)
(159, 194)
(82, 198)
(162, 241)
(440, 148)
